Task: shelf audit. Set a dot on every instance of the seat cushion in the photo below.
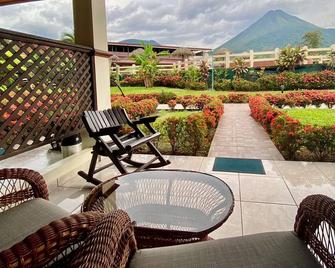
(278, 249)
(25, 219)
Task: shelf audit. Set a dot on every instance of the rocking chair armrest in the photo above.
(315, 222)
(22, 184)
(108, 130)
(47, 243)
(148, 119)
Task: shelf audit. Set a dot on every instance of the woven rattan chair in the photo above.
(36, 233)
(311, 244)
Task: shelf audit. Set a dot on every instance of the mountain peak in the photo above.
(276, 29)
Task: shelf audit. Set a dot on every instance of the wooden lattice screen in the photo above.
(45, 86)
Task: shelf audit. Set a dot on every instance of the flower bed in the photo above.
(186, 133)
(293, 139)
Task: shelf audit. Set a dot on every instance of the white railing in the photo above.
(252, 59)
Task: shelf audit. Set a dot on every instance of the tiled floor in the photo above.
(262, 202)
(239, 135)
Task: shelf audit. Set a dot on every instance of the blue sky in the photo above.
(204, 23)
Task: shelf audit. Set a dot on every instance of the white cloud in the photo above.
(181, 22)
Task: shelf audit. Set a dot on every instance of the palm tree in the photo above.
(182, 52)
(68, 38)
(148, 60)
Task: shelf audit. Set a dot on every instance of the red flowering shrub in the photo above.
(136, 109)
(289, 135)
(132, 81)
(187, 100)
(172, 104)
(174, 81)
(302, 98)
(213, 112)
(202, 100)
(238, 98)
(196, 132)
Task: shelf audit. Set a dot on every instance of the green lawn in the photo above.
(178, 91)
(319, 117)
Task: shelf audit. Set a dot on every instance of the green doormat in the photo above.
(240, 165)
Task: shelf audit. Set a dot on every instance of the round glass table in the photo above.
(167, 207)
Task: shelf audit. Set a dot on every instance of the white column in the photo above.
(305, 48)
(251, 58)
(90, 29)
(227, 59)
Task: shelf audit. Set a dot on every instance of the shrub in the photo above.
(132, 81)
(244, 85)
(213, 112)
(172, 104)
(136, 109)
(195, 132)
(174, 81)
(287, 135)
(237, 98)
(320, 141)
(225, 85)
(187, 100)
(196, 85)
(170, 127)
(165, 97)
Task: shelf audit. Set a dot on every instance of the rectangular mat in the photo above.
(239, 165)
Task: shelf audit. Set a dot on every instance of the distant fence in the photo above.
(226, 60)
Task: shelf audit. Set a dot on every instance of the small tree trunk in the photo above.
(148, 81)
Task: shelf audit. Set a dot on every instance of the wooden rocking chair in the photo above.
(100, 124)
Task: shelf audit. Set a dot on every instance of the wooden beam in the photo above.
(11, 2)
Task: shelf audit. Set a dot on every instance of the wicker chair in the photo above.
(311, 244)
(37, 233)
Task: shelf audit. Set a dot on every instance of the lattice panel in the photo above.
(44, 89)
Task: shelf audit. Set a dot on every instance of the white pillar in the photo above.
(251, 58)
(305, 48)
(227, 59)
(90, 29)
(277, 53)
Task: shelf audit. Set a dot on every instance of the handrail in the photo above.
(42, 40)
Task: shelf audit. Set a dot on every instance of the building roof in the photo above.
(10, 2)
(156, 46)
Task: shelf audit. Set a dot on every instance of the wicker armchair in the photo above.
(32, 238)
(312, 244)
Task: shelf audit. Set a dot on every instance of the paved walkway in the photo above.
(239, 135)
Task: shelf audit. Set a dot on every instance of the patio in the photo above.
(262, 202)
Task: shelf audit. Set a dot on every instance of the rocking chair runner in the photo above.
(120, 149)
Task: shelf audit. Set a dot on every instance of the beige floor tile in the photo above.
(270, 168)
(327, 168)
(184, 162)
(232, 227)
(233, 182)
(299, 170)
(302, 188)
(261, 217)
(265, 189)
(207, 164)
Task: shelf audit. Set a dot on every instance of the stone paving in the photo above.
(239, 135)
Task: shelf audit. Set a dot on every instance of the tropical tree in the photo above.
(312, 39)
(148, 60)
(68, 38)
(289, 57)
(182, 52)
(204, 71)
(239, 67)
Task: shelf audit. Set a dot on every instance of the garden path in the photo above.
(239, 135)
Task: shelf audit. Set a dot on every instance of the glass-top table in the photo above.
(167, 206)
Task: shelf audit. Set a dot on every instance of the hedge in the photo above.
(290, 81)
(292, 138)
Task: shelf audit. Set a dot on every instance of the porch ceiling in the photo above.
(10, 2)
